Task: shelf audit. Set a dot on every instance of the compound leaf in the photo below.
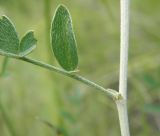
(9, 40)
(63, 39)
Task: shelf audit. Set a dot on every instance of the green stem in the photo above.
(47, 11)
(7, 120)
(4, 66)
(2, 109)
(56, 93)
(110, 92)
(47, 15)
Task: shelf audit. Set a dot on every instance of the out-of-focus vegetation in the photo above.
(28, 92)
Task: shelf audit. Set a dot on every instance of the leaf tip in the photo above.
(4, 17)
(31, 33)
(61, 6)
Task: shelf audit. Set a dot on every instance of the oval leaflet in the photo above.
(63, 39)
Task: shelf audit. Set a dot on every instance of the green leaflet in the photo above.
(9, 40)
(63, 39)
(28, 43)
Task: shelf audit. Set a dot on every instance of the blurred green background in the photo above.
(29, 94)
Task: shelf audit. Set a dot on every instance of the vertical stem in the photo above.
(47, 11)
(7, 120)
(122, 104)
(3, 112)
(56, 94)
(4, 66)
(123, 117)
(124, 47)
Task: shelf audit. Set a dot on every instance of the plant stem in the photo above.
(2, 109)
(4, 66)
(56, 93)
(122, 104)
(47, 12)
(123, 117)
(112, 93)
(7, 120)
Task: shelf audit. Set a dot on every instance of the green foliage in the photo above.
(152, 108)
(9, 40)
(27, 44)
(93, 25)
(149, 81)
(68, 116)
(63, 39)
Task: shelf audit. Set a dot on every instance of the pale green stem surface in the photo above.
(124, 45)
